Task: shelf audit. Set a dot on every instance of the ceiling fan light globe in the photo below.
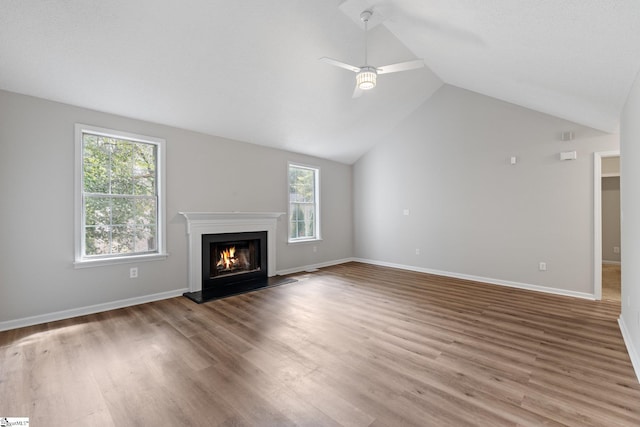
(366, 80)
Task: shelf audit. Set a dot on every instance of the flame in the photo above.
(227, 258)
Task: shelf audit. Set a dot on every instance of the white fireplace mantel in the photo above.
(199, 223)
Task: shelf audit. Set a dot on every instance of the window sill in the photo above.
(295, 242)
(114, 261)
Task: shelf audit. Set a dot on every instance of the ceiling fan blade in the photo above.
(401, 66)
(340, 64)
(357, 92)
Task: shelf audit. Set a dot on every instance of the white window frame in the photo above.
(161, 253)
(317, 237)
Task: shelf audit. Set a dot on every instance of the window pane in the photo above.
(299, 229)
(145, 211)
(121, 239)
(97, 210)
(122, 212)
(144, 169)
(97, 241)
(143, 185)
(299, 213)
(293, 176)
(307, 194)
(145, 238)
(122, 167)
(96, 165)
(309, 221)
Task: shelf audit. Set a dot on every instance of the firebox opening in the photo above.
(231, 258)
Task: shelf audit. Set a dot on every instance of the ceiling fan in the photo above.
(366, 75)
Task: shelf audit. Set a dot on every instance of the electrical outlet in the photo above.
(405, 212)
(616, 249)
(542, 266)
(315, 249)
(417, 251)
(133, 273)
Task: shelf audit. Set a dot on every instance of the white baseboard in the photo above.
(75, 312)
(81, 311)
(313, 266)
(489, 280)
(633, 354)
(604, 261)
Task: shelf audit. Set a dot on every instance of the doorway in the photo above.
(606, 257)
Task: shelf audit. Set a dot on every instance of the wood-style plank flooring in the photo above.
(611, 282)
(349, 345)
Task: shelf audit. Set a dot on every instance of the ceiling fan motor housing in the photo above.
(366, 78)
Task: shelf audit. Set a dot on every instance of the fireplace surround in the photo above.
(230, 224)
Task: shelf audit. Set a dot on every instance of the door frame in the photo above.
(597, 219)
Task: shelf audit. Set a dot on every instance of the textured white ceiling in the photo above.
(249, 70)
(574, 59)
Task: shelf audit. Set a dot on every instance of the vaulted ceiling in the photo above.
(249, 70)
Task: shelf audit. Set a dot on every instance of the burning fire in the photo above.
(228, 258)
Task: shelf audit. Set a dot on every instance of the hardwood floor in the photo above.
(611, 282)
(352, 345)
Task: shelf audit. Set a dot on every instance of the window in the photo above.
(303, 203)
(119, 196)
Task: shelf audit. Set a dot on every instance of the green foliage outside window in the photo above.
(302, 203)
(120, 203)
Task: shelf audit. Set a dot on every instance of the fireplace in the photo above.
(242, 272)
(231, 259)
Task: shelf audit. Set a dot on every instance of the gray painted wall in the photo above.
(610, 218)
(629, 190)
(204, 173)
(470, 211)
